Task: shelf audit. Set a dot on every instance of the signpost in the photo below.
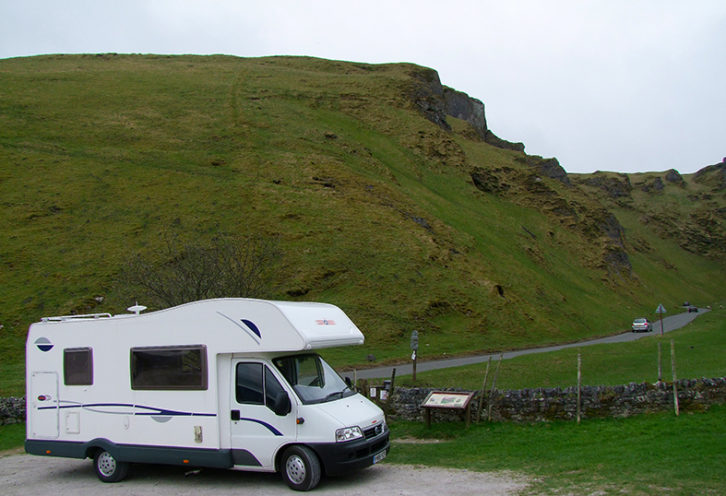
(414, 348)
(448, 400)
(660, 311)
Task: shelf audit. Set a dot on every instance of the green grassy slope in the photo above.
(104, 156)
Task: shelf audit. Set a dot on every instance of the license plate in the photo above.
(380, 456)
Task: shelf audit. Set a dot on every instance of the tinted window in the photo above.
(169, 368)
(273, 389)
(78, 367)
(249, 384)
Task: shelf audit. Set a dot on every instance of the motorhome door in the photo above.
(263, 415)
(44, 405)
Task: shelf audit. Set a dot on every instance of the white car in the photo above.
(642, 325)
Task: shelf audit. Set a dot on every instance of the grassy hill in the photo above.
(382, 203)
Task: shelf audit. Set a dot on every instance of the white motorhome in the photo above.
(227, 383)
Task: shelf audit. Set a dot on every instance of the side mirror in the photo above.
(282, 405)
(348, 382)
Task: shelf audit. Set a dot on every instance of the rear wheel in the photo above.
(108, 469)
(300, 468)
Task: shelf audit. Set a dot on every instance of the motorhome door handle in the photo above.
(235, 414)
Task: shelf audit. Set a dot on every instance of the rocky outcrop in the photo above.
(549, 167)
(488, 180)
(713, 175)
(436, 102)
(495, 140)
(460, 105)
(427, 95)
(673, 176)
(654, 185)
(600, 229)
(617, 186)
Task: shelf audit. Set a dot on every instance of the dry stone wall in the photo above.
(531, 405)
(546, 404)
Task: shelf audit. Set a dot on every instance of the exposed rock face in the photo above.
(713, 175)
(495, 140)
(672, 176)
(488, 181)
(656, 184)
(462, 106)
(615, 187)
(549, 167)
(437, 101)
(599, 228)
(428, 96)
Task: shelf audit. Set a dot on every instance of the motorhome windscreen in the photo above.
(312, 378)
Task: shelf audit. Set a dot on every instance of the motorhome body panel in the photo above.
(112, 402)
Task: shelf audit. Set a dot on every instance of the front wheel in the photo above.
(108, 469)
(300, 468)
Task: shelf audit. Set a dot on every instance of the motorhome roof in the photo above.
(243, 324)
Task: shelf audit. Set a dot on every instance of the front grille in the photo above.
(373, 431)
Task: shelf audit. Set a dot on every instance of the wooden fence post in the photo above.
(579, 385)
(673, 368)
(483, 387)
(393, 382)
(494, 385)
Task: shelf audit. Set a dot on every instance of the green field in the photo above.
(700, 351)
(645, 455)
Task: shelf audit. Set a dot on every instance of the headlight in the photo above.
(348, 434)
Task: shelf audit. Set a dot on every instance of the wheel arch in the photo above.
(100, 444)
(283, 448)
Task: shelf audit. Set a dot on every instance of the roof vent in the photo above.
(136, 309)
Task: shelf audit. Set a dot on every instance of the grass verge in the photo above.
(643, 455)
(12, 437)
(699, 352)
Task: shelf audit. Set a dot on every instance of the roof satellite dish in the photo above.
(137, 309)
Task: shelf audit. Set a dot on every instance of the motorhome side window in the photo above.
(253, 389)
(78, 367)
(169, 368)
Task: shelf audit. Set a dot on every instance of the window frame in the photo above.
(71, 377)
(266, 376)
(134, 372)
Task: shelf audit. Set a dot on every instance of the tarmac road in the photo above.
(669, 324)
(24, 475)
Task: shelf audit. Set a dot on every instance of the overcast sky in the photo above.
(618, 85)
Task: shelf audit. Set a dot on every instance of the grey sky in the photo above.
(621, 85)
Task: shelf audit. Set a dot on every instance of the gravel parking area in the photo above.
(22, 474)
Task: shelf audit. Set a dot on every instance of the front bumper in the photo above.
(340, 458)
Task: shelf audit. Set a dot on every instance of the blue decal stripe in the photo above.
(254, 333)
(252, 326)
(269, 427)
(152, 410)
